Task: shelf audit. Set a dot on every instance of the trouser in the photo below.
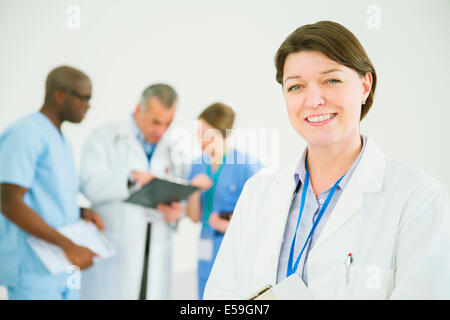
(206, 263)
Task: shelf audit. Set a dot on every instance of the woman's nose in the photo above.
(314, 97)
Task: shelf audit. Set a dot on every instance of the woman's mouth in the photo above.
(320, 120)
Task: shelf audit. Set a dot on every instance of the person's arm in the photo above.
(215, 220)
(100, 181)
(28, 220)
(194, 207)
(91, 216)
(172, 212)
(218, 223)
(423, 250)
(20, 152)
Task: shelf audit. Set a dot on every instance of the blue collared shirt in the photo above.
(309, 215)
(148, 147)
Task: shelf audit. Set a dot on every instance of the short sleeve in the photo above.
(20, 149)
(196, 169)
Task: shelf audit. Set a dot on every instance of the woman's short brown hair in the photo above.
(337, 43)
(219, 116)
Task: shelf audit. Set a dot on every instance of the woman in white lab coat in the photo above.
(351, 222)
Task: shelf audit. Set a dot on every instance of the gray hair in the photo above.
(163, 92)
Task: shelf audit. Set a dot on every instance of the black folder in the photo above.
(161, 191)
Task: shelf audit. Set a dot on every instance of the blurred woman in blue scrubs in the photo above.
(221, 173)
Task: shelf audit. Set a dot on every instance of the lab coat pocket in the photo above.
(369, 282)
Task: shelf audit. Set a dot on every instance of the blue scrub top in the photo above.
(36, 156)
(238, 167)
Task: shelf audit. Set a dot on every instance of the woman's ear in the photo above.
(367, 86)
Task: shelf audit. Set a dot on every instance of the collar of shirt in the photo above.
(300, 172)
(147, 146)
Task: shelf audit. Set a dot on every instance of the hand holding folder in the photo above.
(82, 233)
(161, 191)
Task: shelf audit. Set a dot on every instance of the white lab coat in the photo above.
(393, 219)
(109, 155)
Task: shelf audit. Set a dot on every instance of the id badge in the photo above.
(205, 249)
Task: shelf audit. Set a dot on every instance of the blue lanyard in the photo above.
(209, 194)
(291, 269)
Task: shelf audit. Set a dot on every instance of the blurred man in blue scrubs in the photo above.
(220, 173)
(38, 190)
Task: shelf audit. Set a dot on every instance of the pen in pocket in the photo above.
(348, 264)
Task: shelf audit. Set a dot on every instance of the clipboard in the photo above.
(161, 191)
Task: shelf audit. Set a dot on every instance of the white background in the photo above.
(223, 51)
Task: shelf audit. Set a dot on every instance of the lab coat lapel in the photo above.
(135, 146)
(367, 177)
(279, 201)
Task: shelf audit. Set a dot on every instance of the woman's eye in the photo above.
(333, 81)
(294, 87)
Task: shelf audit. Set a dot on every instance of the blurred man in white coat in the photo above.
(116, 159)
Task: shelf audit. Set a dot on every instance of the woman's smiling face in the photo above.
(323, 97)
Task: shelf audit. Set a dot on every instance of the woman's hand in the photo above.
(217, 223)
(202, 181)
(91, 216)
